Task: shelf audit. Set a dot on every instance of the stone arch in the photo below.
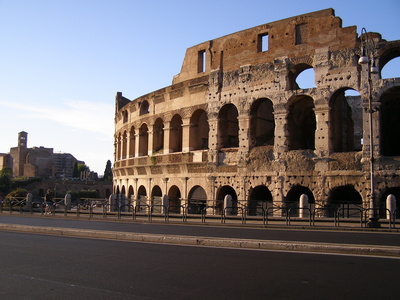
(156, 191)
(124, 144)
(142, 196)
(294, 73)
(144, 107)
(346, 123)
(123, 191)
(262, 122)
(132, 142)
(392, 69)
(131, 193)
(395, 191)
(388, 56)
(346, 198)
(158, 135)
(197, 200)
(143, 140)
(118, 147)
(156, 199)
(292, 198)
(390, 122)
(221, 193)
(260, 199)
(175, 134)
(174, 197)
(199, 129)
(228, 129)
(125, 116)
(301, 123)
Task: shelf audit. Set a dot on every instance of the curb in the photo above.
(294, 246)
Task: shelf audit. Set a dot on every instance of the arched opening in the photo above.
(228, 128)
(301, 123)
(142, 198)
(143, 140)
(345, 200)
(175, 134)
(125, 116)
(124, 144)
(156, 197)
(144, 108)
(117, 147)
(223, 191)
(291, 202)
(158, 136)
(260, 200)
(262, 123)
(132, 142)
(389, 63)
(123, 192)
(116, 190)
(301, 76)
(131, 193)
(197, 200)
(346, 124)
(199, 130)
(395, 191)
(174, 196)
(390, 122)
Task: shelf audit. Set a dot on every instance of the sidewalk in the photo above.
(198, 240)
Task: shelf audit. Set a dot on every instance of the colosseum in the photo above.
(237, 131)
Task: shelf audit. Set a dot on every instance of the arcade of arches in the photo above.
(243, 125)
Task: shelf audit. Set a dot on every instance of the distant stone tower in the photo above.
(19, 154)
(22, 139)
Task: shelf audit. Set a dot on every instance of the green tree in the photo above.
(108, 172)
(78, 168)
(5, 179)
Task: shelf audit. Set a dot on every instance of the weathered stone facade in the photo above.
(235, 121)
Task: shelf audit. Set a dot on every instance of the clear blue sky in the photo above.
(62, 61)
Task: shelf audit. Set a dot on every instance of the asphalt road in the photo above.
(307, 235)
(36, 266)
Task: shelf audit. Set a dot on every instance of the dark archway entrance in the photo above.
(291, 202)
(346, 200)
(197, 200)
(260, 200)
(174, 196)
(223, 191)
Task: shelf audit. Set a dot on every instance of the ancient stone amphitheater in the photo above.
(236, 124)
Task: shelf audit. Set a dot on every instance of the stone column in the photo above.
(281, 132)
(303, 204)
(167, 132)
(137, 139)
(186, 135)
(150, 140)
(323, 142)
(390, 205)
(213, 140)
(244, 134)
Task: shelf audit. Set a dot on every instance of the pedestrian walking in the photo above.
(48, 202)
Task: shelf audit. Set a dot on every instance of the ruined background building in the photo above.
(235, 121)
(40, 162)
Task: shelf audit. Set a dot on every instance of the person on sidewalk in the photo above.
(67, 200)
(48, 202)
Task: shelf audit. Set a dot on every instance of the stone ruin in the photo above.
(237, 122)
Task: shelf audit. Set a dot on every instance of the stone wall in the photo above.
(269, 139)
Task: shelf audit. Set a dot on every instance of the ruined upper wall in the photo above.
(293, 37)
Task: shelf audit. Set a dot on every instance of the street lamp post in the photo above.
(367, 58)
